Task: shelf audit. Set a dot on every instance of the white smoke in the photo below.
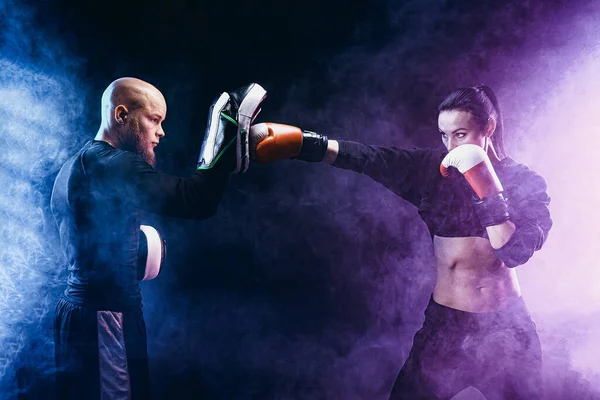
(38, 105)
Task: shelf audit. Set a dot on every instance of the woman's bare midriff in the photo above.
(470, 277)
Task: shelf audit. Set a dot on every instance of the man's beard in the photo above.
(134, 141)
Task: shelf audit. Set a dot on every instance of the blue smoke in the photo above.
(38, 105)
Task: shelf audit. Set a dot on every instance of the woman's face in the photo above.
(459, 127)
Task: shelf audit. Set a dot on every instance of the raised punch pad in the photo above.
(248, 100)
(229, 120)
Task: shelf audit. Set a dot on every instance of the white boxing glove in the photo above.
(473, 162)
(475, 165)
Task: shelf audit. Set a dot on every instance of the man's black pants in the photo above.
(100, 354)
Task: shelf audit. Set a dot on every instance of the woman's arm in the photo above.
(332, 152)
(500, 234)
(403, 171)
(400, 170)
(515, 240)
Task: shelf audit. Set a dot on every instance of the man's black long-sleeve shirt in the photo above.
(97, 199)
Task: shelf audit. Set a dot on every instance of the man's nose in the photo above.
(160, 132)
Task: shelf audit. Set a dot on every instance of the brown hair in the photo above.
(482, 103)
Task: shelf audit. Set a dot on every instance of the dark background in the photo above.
(310, 281)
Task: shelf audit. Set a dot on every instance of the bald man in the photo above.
(97, 199)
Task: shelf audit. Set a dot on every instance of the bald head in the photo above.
(132, 116)
(131, 94)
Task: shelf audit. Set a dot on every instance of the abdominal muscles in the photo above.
(470, 277)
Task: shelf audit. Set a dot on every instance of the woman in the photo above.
(486, 214)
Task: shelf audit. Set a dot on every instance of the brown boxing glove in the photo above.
(273, 142)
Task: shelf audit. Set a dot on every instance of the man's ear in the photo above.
(491, 127)
(121, 113)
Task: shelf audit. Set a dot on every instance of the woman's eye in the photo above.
(460, 135)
